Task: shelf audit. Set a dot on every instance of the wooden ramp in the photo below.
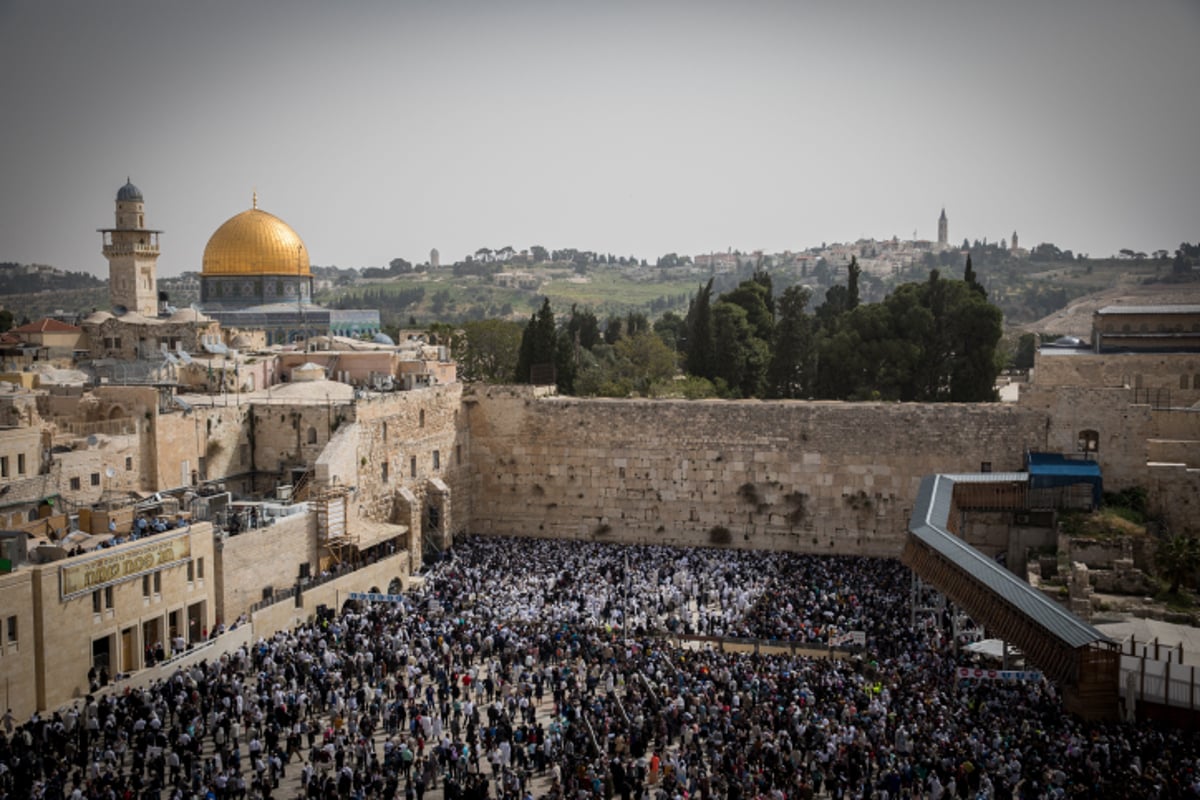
(1080, 659)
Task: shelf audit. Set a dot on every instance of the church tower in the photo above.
(132, 253)
(1015, 246)
(943, 229)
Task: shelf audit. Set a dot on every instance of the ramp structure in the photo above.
(1080, 659)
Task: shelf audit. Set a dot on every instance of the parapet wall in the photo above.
(805, 476)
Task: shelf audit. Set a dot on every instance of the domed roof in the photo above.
(129, 193)
(189, 315)
(255, 243)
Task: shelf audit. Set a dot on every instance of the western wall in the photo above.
(790, 475)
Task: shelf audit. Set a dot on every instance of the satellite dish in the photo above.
(92, 440)
(109, 472)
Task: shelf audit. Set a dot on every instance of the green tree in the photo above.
(583, 327)
(699, 340)
(539, 342)
(538, 253)
(755, 299)
(741, 357)
(1178, 559)
(6, 320)
(670, 328)
(649, 360)
(487, 350)
(790, 374)
(1026, 349)
(971, 279)
(852, 273)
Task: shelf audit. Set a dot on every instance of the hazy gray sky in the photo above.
(382, 129)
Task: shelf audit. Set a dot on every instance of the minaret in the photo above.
(943, 229)
(1015, 247)
(132, 253)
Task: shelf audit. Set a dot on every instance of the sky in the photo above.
(383, 129)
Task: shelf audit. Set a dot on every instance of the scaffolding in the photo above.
(337, 544)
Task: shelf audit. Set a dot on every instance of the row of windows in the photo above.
(4, 465)
(412, 463)
(1183, 381)
(1161, 328)
(77, 482)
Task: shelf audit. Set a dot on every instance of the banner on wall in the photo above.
(976, 674)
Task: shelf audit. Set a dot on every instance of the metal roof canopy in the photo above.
(1047, 470)
(928, 524)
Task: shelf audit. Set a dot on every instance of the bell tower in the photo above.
(132, 253)
(943, 228)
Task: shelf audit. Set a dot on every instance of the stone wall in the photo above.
(1123, 427)
(1173, 494)
(405, 439)
(808, 476)
(287, 614)
(1177, 374)
(18, 660)
(261, 558)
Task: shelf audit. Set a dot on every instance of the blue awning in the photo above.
(1047, 470)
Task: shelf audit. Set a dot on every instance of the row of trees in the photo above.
(933, 340)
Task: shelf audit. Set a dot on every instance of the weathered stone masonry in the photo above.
(806, 476)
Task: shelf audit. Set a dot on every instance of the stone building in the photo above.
(1147, 329)
(132, 252)
(256, 276)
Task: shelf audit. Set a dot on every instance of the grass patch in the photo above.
(1181, 600)
(1107, 523)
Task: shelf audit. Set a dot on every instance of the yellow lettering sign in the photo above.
(125, 564)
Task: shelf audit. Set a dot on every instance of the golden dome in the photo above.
(256, 243)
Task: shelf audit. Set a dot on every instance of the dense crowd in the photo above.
(531, 668)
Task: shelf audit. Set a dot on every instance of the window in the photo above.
(108, 597)
(458, 454)
(1089, 441)
(421, 419)
(384, 471)
(20, 463)
(385, 433)
(985, 466)
(75, 484)
(412, 466)
(1183, 381)
(145, 586)
(95, 479)
(158, 582)
(1196, 381)
(10, 630)
(191, 570)
(200, 568)
(3, 466)
(96, 602)
(437, 460)
(312, 435)
(128, 462)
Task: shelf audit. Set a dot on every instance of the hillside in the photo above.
(1076, 318)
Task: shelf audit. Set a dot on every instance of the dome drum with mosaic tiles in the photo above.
(255, 258)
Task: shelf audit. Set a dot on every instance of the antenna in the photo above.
(92, 440)
(109, 472)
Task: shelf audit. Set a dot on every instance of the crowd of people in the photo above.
(525, 668)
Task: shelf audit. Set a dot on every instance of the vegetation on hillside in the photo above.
(930, 341)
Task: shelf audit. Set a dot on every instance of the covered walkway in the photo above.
(1079, 658)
